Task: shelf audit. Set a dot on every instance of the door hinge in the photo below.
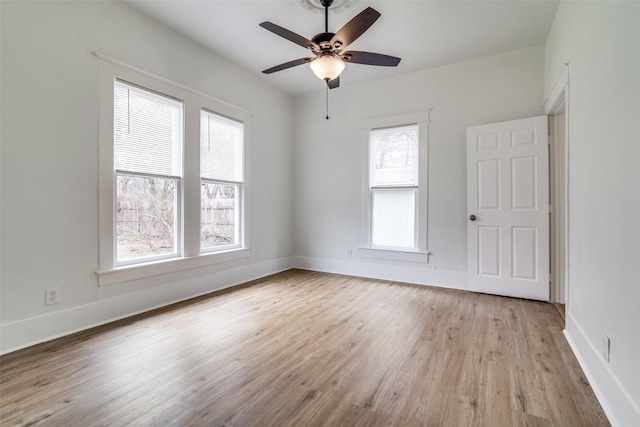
(550, 209)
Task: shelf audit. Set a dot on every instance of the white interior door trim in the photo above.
(557, 101)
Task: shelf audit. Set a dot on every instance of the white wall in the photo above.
(601, 42)
(49, 163)
(328, 157)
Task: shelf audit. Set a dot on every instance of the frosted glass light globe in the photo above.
(327, 67)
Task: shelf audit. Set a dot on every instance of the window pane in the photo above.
(394, 156)
(219, 215)
(220, 148)
(393, 213)
(145, 217)
(147, 132)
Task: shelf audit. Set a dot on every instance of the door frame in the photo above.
(556, 105)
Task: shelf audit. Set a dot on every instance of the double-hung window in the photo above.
(395, 198)
(148, 143)
(172, 191)
(393, 186)
(221, 181)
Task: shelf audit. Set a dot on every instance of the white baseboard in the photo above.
(418, 275)
(613, 398)
(27, 332)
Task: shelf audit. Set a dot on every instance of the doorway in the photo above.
(557, 109)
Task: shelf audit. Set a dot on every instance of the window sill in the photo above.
(392, 255)
(141, 271)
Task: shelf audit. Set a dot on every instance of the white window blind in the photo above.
(220, 148)
(393, 217)
(148, 132)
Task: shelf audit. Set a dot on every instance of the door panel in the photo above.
(507, 200)
(523, 183)
(489, 251)
(525, 249)
(488, 184)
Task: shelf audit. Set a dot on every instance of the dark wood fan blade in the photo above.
(354, 28)
(286, 65)
(289, 35)
(370, 58)
(332, 84)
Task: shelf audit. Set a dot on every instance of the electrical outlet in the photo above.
(51, 296)
(606, 347)
(349, 253)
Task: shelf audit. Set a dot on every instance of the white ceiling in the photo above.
(424, 33)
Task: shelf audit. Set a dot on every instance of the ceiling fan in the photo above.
(330, 60)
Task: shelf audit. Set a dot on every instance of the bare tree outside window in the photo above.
(145, 217)
(218, 214)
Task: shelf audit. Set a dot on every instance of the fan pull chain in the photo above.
(327, 100)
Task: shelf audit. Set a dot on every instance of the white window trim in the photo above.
(395, 255)
(155, 268)
(366, 250)
(191, 256)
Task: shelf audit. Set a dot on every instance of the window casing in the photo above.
(394, 210)
(150, 182)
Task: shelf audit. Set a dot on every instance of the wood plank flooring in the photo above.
(309, 349)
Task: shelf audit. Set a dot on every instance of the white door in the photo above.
(508, 208)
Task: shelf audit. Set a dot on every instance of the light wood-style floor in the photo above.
(307, 349)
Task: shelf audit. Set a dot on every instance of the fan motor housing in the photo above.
(323, 40)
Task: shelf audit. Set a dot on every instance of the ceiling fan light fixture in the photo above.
(327, 67)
